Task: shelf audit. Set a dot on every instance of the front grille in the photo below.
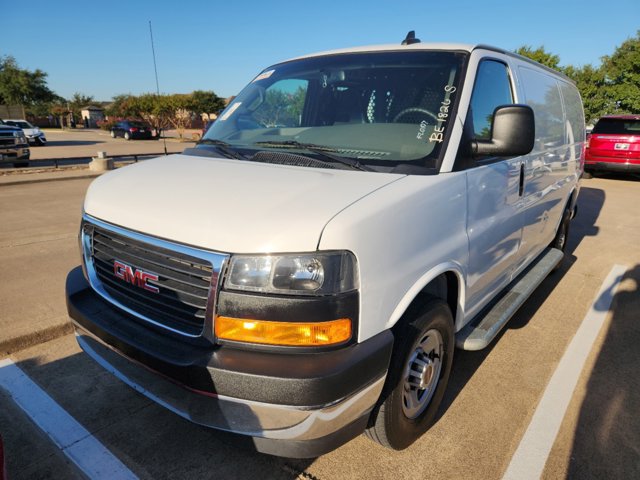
(183, 285)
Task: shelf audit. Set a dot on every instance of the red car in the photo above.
(614, 145)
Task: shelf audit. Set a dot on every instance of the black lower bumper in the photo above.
(287, 389)
(613, 167)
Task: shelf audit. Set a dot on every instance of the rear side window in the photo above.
(492, 89)
(575, 114)
(542, 94)
(617, 126)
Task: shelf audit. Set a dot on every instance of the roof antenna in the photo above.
(153, 51)
(410, 39)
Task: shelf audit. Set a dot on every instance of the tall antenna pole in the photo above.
(155, 68)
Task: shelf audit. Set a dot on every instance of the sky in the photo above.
(102, 49)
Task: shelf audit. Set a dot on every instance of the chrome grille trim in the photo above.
(148, 252)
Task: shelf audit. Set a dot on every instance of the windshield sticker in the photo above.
(263, 75)
(443, 116)
(229, 111)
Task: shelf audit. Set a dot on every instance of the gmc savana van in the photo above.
(305, 273)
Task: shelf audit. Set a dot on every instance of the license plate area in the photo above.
(621, 146)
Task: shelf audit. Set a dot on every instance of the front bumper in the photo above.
(13, 154)
(295, 405)
(37, 139)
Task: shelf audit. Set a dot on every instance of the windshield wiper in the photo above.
(223, 147)
(321, 150)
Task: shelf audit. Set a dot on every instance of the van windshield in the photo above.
(382, 109)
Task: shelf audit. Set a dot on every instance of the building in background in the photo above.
(91, 115)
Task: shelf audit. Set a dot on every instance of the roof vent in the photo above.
(410, 39)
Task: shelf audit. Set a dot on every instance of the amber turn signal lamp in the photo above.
(298, 334)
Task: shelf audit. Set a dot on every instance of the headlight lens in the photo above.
(320, 273)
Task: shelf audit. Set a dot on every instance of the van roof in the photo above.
(393, 46)
(435, 46)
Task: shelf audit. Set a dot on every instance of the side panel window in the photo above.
(492, 89)
(542, 94)
(575, 114)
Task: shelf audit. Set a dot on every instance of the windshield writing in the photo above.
(379, 108)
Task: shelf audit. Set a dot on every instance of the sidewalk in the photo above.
(48, 174)
(38, 247)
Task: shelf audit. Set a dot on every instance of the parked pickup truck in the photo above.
(14, 147)
(305, 273)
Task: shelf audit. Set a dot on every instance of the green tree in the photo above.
(180, 109)
(622, 76)
(22, 87)
(77, 103)
(206, 102)
(596, 95)
(60, 109)
(153, 109)
(540, 55)
(122, 106)
(42, 109)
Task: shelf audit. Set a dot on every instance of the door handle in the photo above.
(521, 187)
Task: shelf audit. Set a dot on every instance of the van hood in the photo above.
(228, 205)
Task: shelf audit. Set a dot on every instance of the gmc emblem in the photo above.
(136, 277)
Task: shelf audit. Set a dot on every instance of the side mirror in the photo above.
(512, 135)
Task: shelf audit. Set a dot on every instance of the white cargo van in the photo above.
(306, 272)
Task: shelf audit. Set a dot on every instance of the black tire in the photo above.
(405, 410)
(127, 136)
(113, 134)
(562, 235)
(40, 142)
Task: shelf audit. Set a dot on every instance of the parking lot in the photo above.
(82, 144)
(492, 402)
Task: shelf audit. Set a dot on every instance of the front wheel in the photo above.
(417, 377)
(113, 134)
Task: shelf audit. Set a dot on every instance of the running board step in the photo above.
(479, 333)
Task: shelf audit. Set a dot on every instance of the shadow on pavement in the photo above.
(606, 442)
(72, 143)
(150, 440)
(630, 177)
(590, 202)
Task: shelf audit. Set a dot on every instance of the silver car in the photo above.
(34, 135)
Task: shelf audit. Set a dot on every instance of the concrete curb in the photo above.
(50, 179)
(37, 337)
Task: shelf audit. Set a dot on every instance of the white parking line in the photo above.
(531, 456)
(82, 448)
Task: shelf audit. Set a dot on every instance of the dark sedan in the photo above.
(129, 129)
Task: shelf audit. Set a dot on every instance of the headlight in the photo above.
(320, 273)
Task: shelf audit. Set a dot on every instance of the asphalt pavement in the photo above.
(490, 404)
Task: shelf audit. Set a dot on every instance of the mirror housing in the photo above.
(512, 135)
